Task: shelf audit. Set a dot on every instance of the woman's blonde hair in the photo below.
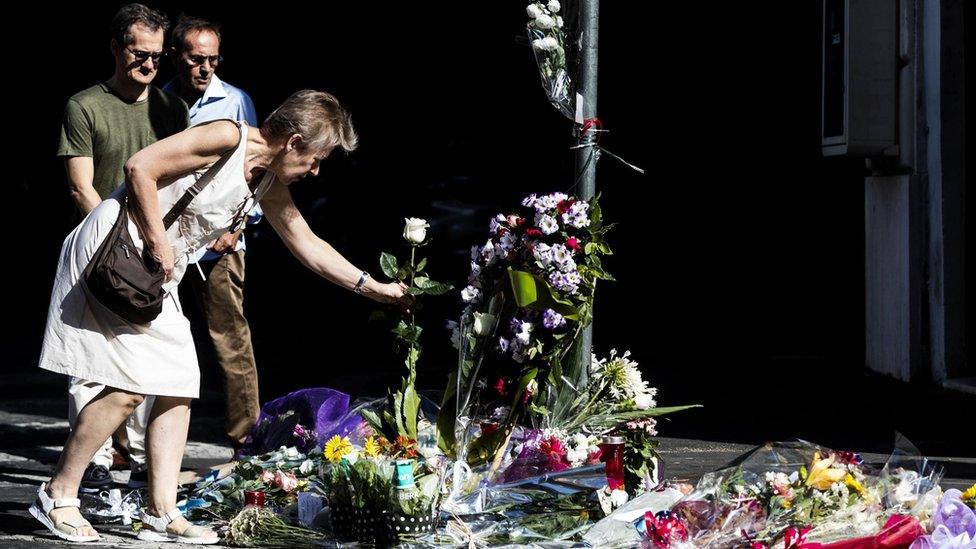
(317, 117)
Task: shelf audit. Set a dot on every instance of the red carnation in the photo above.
(565, 205)
(533, 232)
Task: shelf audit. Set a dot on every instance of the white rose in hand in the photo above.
(415, 230)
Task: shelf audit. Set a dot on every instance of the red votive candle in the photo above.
(612, 455)
(253, 497)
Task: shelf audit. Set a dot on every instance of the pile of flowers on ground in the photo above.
(798, 495)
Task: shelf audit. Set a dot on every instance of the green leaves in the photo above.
(447, 418)
(483, 448)
(411, 410)
(408, 333)
(372, 419)
(427, 286)
(532, 292)
(389, 264)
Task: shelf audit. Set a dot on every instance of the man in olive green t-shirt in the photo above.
(109, 122)
(103, 126)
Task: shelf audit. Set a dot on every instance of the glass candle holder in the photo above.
(612, 455)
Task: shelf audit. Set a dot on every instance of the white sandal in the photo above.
(154, 529)
(41, 508)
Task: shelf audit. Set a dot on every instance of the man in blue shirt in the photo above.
(219, 288)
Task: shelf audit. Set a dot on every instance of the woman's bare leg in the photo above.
(165, 442)
(96, 422)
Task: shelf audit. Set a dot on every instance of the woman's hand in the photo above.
(394, 293)
(165, 258)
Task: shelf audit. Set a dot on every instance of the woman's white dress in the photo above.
(85, 340)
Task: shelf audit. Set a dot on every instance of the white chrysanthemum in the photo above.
(576, 457)
(580, 441)
(306, 467)
(544, 22)
(533, 10)
(644, 401)
(559, 21)
(544, 44)
(597, 364)
(553, 6)
(548, 224)
(623, 378)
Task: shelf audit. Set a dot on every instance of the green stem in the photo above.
(413, 325)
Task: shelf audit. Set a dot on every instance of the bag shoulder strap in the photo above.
(201, 184)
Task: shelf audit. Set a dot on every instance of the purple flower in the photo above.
(577, 215)
(503, 344)
(553, 320)
(300, 431)
(515, 325)
(566, 282)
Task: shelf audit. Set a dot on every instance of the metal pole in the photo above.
(586, 157)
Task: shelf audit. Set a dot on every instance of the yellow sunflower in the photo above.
(336, 448)
(969, 496)
(371, 448)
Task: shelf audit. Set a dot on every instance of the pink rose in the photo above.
(287, 481)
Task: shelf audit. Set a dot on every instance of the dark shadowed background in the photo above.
(739, 254)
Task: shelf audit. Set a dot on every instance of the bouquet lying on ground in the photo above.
(798, 495)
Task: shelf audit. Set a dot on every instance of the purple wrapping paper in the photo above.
(320, 412)
(952, 520)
